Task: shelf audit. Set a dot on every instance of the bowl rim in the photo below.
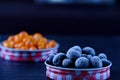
(12, 49)
(75, 69)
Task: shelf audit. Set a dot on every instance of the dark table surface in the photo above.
(36, 71)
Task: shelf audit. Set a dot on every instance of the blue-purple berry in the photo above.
(67, 63)
(58, 58)
(78, 48)
(102, 56)
(73, 54)
(89, 51)
(82, 62)
(105, 62)
(96, 62)
(50, 58)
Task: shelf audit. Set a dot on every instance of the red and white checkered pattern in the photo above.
(29, 56)
(60, 74)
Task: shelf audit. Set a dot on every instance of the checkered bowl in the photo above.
(26, 55)
(59, 73)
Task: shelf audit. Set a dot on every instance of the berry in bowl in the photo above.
(78, 64)
(26, 47)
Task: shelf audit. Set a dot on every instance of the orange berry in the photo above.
(17, 38)
(21, 44)
(12, 44)
(32, 48)
(24, 48)
(43, 40)
(29, 44)
(35, 42)
(7, 44)
(23, 34)
(26, 39)
(48, 46)
(52, 43)
(37, 36)
(15, 45)
(30, 37)
(41, 45)
(17, 48)
(11, 38)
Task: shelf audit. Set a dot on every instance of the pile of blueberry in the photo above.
(78, 58)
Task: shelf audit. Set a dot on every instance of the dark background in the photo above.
(18, 15)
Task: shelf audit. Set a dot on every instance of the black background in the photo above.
(18, 15)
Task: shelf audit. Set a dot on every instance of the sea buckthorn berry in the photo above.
(35, 42)
(52, 43)
(48, 46)
(7, 44)
(37, 36)
(30, 37)
(41, 45)
(11, 38)
(32, 48)
(26, 39)
(43, 39)
(17, 38)
(12, 44)
(21, 44)
(23, 34)
(24, 48)
(28, 44)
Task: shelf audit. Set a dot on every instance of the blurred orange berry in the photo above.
(7, 44)
(52, 43)
(37, 36)
(41, 45)
(21, 44)
(29, 44)
(11, 38)
(48, 46)
(17, 38)
(30, 37)
(24, 48)
(23, 34)
(32, 48)
(43, 39)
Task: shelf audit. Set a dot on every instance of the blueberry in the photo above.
(58, 58)
(96, 62)
(89, 56)
(50, 58)
(82, 62)
(83, 55)
(102, 56)
(73, 54)
(89, 51)
(105, 62)
(78, 48)
(67, 63)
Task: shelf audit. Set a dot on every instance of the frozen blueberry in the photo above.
(82, 62)
(89, 51)
(96, 62)
(105, 62)
(58, 58)
(67, 63)
(102, 56)
(83, 55)
(73, 54)
(89, 56)
(78, 48)
(50, 58)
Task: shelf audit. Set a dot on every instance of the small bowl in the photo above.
(26, 55)
(59, 73)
